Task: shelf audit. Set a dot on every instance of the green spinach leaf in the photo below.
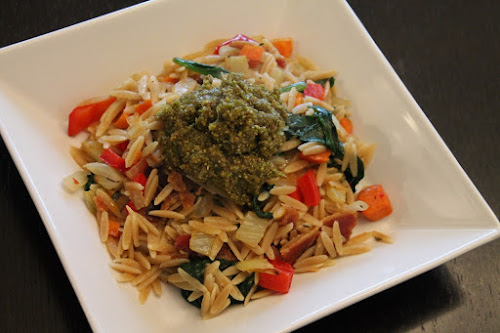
(255, 203)
(198, 67)
(90, 181)
(196, 268)
(323, 81)
(299, 86)
(245, 287)
(317, 127)
(353, 181)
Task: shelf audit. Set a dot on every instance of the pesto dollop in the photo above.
(222, 136)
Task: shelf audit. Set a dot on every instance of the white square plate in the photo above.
(438, 213)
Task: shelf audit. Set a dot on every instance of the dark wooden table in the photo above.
(446, 52)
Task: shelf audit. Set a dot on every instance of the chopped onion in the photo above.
(89, 198)
(201, 243)
(357, 206)
(75, 181)
(336, 195)
(203, 206)
(278, 75)
(237, 64)
(107, 183)
(252, 229)
(184, 86)
(93, 149)
(104, 170)
(227, 50)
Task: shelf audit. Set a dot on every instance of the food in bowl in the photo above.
(226, 174)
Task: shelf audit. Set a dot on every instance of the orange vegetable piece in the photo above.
(253, 54)
(284, 46)
(143, 106)
(299, 99)
(169, 79)
(347, 124)
(378, 201)
(317, 158)
(121, 122)
(114, 228)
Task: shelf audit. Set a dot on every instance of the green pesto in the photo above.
(223, 136)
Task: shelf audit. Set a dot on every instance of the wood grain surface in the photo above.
(447, 54)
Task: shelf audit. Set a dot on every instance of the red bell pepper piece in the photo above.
(132, 206)
(281, 62)
(140, 178)
(82, 116)
(136, 169)
(238, 37)
(280, 282)
(309, 188)
(113, 159)
(315, 90)
(182, 242)
(297, 195)
(122, 145)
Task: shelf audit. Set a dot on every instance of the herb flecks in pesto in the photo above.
(223, 136)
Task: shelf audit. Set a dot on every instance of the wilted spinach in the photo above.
(299, 86)
(255, 203)
(353, 181)
(90, 181)
(323, 81)
(198, 67)
(196, 268)
(319, 127)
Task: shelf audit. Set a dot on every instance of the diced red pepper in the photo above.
(309, 188)
(122, 145)
(136, 169)
(280, 282)
(140, 178)
(297, 195)
(315, 90)
(281, 62)
(113, 159)
(132, 206)
(83, 116)
(238, 37)
(182, 242)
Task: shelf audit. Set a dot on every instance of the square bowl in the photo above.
(438, 215)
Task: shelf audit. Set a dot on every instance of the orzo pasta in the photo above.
(224, 175)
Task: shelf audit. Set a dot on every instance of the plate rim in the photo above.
(491, 233)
